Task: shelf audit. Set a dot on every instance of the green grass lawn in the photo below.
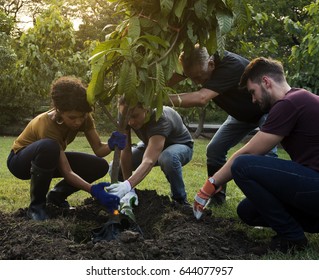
(14, 193)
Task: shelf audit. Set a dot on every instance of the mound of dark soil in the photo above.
(162, 231)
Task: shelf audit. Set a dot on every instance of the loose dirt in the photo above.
(163, 231)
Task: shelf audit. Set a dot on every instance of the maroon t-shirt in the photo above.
(296, 117)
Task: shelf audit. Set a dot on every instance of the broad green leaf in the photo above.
(179, 8)
(130, 85)
(149, 47)
(96, 85)
(124, 72)
(242, 16)
(225, 21)
(155, 39)
(160, 80)
(190, 33)
(134, 28)
(166, 6)
(200, 8)
(105, 46)
(220, 38)
(97, 56)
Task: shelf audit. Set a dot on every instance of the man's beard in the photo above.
(265, 103)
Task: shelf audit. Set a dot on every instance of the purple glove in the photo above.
(117, 139)
(110, 201)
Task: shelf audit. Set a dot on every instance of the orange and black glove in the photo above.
(203, 196)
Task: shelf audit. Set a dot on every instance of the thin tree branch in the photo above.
(106, 112)
(168, 51)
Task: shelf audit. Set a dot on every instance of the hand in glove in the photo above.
(120, 189)
(203, 196)
(130, 199)
(110, 201)
(117, 139)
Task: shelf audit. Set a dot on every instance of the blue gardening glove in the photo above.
(110, 201)
(120, 189)
(117, 139)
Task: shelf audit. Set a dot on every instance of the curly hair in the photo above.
(69, 94)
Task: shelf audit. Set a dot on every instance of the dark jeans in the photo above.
(45, 154)
(281, 194)
(227, 136)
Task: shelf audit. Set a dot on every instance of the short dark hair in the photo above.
(260, 67)
(122, 102)
(69, 93)
(197, 56)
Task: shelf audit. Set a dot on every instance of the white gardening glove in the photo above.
(130, 199)
(120, 189)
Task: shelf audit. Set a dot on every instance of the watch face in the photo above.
(212, 180)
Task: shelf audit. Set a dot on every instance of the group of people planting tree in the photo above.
(280, 194)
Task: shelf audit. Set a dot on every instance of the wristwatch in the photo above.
(212, 181)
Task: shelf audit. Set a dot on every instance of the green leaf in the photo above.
(130, 85)
(160, 80)
(94, 58)
(155, 39)
(96, 85)
(179, 8)
(166, 6)
(128, 211)
(124, 72)
(107, 45)
(200, 7)
(225, 21)
(134, 28)
(211, 43)
(221, 42)
(242, 16)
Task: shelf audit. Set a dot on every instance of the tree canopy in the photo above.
(141, 53)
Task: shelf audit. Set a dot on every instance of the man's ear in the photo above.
(211, 64)
(147, 115)
(267, 81)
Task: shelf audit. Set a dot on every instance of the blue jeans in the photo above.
(280, 194)
(228, 135)
(171, 161)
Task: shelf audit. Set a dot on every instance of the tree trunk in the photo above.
(117, 153)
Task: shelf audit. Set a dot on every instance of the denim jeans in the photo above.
(281, 194)
(171, 161)
(228, 135)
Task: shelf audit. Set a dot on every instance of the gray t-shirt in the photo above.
(169, 125)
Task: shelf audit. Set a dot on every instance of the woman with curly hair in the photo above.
(39, 151)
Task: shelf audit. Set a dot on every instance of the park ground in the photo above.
(162, 231)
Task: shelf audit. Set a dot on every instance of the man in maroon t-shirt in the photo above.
(281, 194)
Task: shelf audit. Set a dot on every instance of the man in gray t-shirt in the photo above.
(165, 142)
